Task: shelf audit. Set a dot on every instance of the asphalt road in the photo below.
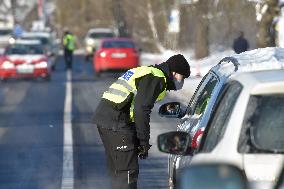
(32, 133)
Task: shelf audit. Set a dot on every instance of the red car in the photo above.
(25, 60)
(116, 54)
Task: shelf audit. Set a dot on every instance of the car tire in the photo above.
(3, 80)
(98, 74)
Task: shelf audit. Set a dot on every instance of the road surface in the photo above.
(36, 120)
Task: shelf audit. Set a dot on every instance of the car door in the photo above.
(194, 113)
(219, 119)
(200, 108)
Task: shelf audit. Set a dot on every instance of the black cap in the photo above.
(179, 64)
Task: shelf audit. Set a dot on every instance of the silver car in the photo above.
(216, 84)
(93, 39)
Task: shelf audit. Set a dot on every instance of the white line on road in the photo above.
(68, 164)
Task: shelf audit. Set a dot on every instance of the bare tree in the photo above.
(266, 12)
(201, 43)
(119, 17)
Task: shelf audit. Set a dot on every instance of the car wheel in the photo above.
(98, 74)
(3, 80)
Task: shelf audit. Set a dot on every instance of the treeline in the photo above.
(203, 23)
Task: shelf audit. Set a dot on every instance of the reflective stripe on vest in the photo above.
(125, 85)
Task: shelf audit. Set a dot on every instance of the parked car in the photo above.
(220, 112)
(48, 41)
(94, 37)
(25, 59)
(116, 54)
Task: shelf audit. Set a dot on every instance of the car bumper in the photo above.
(13, 73)
(101, 64)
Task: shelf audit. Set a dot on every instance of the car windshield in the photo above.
(24, 49)
(101, 35)
(118, 44)
(265, 121)
(43, 40)
(5, 32)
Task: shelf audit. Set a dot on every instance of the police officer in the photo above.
(123, 115)
(69, 46)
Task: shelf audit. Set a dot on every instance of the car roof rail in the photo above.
(232, 60)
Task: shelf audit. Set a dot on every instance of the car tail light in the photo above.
(197, 138)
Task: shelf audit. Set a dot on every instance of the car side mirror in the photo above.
(171, 110)
(175, 142)
(212, 175)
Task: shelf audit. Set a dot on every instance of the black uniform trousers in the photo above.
(122, 156)
(68, 57)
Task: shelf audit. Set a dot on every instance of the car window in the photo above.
(5, 32)
(220, 116)
(263, 126)
(35, 49)
(43, 40)
(118, 44)
(197, 92)
(205, 96)
(15, 50)
(101, 35)
(24, 49)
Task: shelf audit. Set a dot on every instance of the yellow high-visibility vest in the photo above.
(69, 42)
(125, 85)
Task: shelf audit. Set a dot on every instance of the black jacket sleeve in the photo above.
(148, 89)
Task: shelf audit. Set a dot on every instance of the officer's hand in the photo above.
(143, 151)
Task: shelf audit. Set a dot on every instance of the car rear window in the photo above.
(5, 32)
(118, 44)
(43, 40)
(101, 35)
(263, 126)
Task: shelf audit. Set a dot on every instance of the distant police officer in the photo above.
(69, 46)
(240, 44)
(123, 115)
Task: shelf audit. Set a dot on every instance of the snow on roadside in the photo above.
(198, 67)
